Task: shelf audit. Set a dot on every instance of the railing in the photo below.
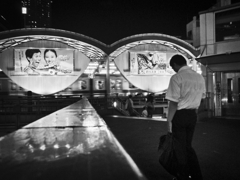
(79, 138)
(119, 104)
(18, 111)
(41, 105)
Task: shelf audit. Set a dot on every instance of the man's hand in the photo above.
(172, 107)
(170, 126)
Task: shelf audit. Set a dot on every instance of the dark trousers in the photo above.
(183, 125)
(150, 112)
(131, 112)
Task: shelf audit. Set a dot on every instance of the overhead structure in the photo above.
(90, 47)
(172, 42)
(77, 54)
(74, 52)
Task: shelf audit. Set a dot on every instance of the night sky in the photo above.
(111, 20)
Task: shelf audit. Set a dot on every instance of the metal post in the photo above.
(207, 91)
(107, 78)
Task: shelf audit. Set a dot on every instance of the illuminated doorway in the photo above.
(231, 94)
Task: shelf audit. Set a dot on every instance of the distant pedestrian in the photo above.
(144, 112)
(129, 106)
(185, 91)
(150, 105)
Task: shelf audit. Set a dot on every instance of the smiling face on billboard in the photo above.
(50, 56)
(33, 57)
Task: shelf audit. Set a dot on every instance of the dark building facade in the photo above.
(37, 13)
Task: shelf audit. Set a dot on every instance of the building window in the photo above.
(197, 23)
(190, 35)
(238, 90)
(230, 90)
(13, 86)
(234, 1)
(227, 25)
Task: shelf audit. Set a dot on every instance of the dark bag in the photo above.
(167, 156)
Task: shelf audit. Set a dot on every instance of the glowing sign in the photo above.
(149, 63)
(43, 70)
(100, 84)
(34, 61)
(24, 10)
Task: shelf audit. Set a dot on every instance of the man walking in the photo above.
(185, 91)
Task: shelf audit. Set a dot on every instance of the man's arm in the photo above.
(172, 108)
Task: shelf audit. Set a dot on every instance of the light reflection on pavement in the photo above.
(73, 136)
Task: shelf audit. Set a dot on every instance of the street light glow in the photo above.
(24, 10)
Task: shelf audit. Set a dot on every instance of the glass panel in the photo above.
(228, 25)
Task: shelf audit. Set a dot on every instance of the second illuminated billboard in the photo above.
(145, 63)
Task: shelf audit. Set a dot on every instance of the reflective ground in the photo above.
(72, 143)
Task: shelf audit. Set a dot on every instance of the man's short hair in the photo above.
(29, 53)
(178, 59)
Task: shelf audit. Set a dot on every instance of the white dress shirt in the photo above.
(187, 88)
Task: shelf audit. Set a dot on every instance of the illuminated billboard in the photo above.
(99, 84)
(146, 70)
(149, 63)
(43, 70)
(42, 61)
(115, 84)
(83, 84)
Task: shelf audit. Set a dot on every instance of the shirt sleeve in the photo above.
(204, 94)
(173, 91)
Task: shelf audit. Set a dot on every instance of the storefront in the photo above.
(224, 71)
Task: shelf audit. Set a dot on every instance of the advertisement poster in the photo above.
(115, 84)
(146, 63)
(43, 61)
(100, 84)
(83, 84)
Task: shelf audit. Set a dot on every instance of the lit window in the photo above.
(24, 10)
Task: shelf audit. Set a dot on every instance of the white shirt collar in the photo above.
(184, 68)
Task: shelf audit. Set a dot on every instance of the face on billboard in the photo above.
(44, 70)
(36, 58)
(50, 56)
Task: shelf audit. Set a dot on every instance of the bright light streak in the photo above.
(3, 17)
